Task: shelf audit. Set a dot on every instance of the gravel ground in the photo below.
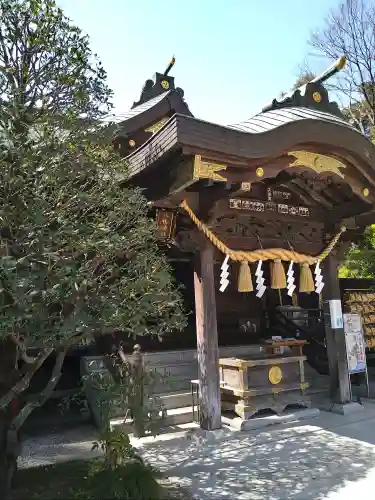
(75, 444)
(58, 447)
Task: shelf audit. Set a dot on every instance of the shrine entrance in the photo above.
(264, 211)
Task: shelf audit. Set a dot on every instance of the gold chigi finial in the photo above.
(170, 66)
(340, 63)
(332, 70)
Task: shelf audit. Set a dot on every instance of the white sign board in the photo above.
(335, 312)
(352, 323)
(355, 344)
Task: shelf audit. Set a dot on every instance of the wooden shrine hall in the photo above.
(260, 214)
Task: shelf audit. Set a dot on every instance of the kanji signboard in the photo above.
(355, 345)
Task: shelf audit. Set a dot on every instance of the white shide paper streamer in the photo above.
(290, 279)
(260, 286)
(224, 282)
(319, 284)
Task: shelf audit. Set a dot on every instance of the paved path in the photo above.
(330, 457)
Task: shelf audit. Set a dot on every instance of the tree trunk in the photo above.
(9, 376)
(9, 451)
(8, 466)
(11, 421)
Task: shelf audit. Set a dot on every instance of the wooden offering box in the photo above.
(268, 381)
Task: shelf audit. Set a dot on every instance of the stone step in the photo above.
(175, 416)
(175, 400)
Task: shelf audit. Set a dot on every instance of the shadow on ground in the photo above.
(310, 460)
(301, 462)
(73, 444)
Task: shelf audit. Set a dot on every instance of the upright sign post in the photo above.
(355, 346)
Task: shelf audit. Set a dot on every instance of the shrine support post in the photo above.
(336, 347)
(207, 339)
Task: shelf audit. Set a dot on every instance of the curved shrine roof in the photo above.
(144, 107)
(306, 115)
(268, 120)
(171, 149)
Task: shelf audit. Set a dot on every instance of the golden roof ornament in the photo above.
(317, 162)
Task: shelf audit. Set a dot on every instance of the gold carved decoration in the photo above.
(132, 143)
(365, 192)
(157, 126)
(259, 172)
(208, 170)
(275, 375)
(317, 162)
(165, 84)
(317, 97)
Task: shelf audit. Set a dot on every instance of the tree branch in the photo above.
(22, 350)
(25, 412)
(349, 30)
(24, 383)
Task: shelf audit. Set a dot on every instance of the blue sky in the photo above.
(232, 56)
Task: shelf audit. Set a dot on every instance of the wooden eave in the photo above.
(238, 148)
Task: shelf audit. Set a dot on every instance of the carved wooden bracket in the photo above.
(251, 227)
(208, 170)
(190, 240)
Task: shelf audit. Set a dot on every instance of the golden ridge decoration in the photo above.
(317, 97)
(208, 170)
(317, 162)
(157, 126)
(261, 254)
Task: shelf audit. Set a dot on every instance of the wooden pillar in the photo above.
(207, 340)
(336, 347)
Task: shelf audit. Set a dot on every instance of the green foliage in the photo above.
(87, 480)
(131, 480)
(360, 260)
(127, 393)
(47, 68)
(78, 253)
(116, 446)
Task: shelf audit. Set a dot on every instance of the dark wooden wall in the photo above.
(356, 284)
(233, 309)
